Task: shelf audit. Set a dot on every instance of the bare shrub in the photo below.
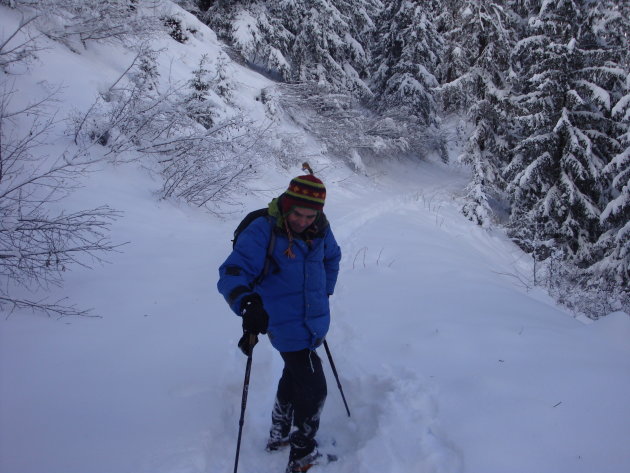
(38, 243)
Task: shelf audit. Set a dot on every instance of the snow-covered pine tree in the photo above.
(301, 40)
(200, 82)
(196, 103)
(407, 52)
(475, 81)
(253, 29)
(485, 152)
(561, 104)
(325, 50)
(612, 270)
(222, 82)
(609, 23)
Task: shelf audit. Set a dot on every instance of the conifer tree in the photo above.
(407, 53)
(613, 268)
(197, 104)
(475, 81)
(561, 101)
(222, 82)
(609, 23)
(325, 51)
(301, 40)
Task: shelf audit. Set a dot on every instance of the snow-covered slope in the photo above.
(448, 361)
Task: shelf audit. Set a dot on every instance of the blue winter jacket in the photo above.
(295, 291)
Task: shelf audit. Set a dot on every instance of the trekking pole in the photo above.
(251, 340)
(332, 365)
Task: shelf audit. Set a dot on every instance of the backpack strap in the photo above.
(268, 256)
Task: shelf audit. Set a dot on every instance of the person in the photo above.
(290, 304)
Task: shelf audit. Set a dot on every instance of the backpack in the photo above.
(249, 218)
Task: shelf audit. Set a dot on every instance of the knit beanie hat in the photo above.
(304, 191)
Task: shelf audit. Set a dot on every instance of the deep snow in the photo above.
(450, 362)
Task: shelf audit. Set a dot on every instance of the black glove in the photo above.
(247, 343)
(255, 318)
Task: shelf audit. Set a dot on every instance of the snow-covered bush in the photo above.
(75, 22)
(175, 29)
(202, 154)
(352, 132)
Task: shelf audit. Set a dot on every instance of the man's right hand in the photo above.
(247, 343)
(255, 318)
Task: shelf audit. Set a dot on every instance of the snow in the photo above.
(449, 359)
(357, 50)
(621, 106)
(598, 94)
(616, 205)
(245, 30)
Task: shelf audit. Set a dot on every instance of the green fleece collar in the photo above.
(274, 211)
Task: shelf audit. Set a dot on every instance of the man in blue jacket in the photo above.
(290, 304)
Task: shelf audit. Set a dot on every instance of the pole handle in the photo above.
(247, 343)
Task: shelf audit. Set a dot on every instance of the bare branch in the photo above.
(23, 49)
(57, 308)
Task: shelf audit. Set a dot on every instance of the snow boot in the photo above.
(277, 444)
(301, 464)
(281, 419)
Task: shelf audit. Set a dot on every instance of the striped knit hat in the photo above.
(304, 191)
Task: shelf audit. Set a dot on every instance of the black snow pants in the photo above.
(299, 401)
